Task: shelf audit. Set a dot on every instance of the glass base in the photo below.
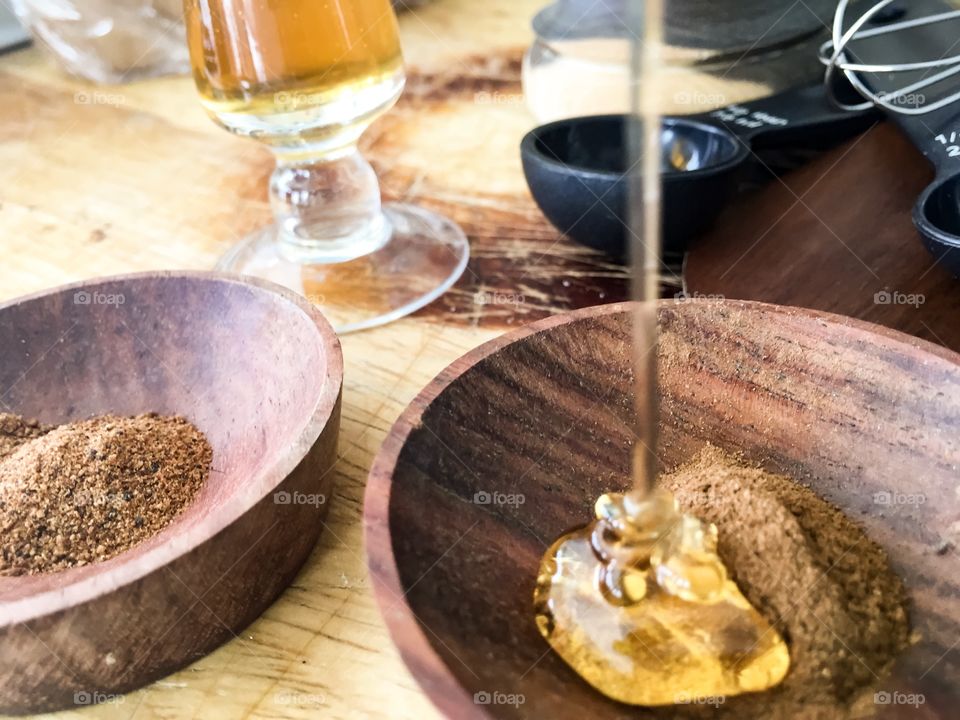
(424, 255)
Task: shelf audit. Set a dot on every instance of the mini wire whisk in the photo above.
(837, 56)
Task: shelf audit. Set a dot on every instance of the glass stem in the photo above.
(327, 208)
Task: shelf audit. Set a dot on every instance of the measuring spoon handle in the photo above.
(802, 116)
(936, 135)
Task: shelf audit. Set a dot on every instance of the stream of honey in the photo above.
(638, 602)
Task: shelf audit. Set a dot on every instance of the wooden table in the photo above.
(98, 181)
(836, 235)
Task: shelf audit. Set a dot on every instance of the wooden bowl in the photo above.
(259, 371)
(543, 413)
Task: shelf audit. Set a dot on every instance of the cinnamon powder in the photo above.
(813, 573)
(87, 491)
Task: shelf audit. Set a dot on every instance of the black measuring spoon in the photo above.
(577, 168)
(936, 214)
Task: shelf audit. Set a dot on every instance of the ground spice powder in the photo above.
(15, 431)
(87, 491)
(814, 574)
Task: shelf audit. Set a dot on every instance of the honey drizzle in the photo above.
(639, 603)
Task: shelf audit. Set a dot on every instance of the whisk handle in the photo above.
(803, 116)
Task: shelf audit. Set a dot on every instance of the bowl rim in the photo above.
(410, 639)
(233, 508)
(529, 149)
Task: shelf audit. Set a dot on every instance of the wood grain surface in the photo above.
(836, 235)
(97, 181)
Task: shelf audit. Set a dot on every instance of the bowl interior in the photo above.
(599, 144)
(512, 445)
(595, 144)
(246, 365)
(941, 208)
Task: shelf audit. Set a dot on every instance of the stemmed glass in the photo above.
(306, 78)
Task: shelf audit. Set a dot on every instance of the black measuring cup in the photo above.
(577, 168)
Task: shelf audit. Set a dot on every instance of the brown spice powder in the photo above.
(87, 491)
(15, 431)
(811, 571)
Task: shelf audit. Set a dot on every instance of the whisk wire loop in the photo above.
(834, 55)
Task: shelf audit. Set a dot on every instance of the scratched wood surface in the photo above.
(97, 181)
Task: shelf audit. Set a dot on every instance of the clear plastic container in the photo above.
(579, 63)
(110, 41)
(718, 52)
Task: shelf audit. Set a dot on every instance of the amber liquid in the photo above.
(640, 605)
(263, 57)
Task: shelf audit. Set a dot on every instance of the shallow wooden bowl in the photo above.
(259, 371)
(541, 416)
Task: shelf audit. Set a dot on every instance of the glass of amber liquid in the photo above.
(306, 78)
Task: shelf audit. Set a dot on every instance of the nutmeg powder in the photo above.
(87, 491)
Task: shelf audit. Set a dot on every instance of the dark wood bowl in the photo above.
(259, 371)
(851, 408)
